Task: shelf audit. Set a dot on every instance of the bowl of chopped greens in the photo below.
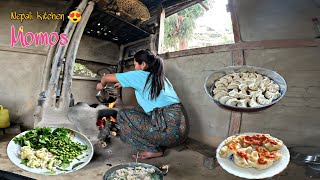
(50, 150)
(136, 171)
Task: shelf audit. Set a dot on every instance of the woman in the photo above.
(159, 121)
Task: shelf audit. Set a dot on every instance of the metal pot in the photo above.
(120, 166)
(209, 85)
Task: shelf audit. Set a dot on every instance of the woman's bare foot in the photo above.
(148, 155)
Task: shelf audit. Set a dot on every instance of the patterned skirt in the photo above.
(164, 127)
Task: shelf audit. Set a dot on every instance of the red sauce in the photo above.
(232, 146)
(272, 141)
(258, 139)
(262, 161)
(242, 154)
(265, 153)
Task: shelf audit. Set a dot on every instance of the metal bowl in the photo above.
(209, 85)
(120, 166)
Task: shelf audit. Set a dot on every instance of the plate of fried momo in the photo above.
(253, 155)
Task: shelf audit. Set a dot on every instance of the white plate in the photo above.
(252, 173)
(13, 150)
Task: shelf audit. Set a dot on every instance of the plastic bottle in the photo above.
(4, 117)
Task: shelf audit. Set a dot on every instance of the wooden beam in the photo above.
(266, 44)
(161, 18)
(235, 22)
(236, 117)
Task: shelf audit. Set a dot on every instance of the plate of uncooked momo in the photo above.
(245, 89)
(253, 155)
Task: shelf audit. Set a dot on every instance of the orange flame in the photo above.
(111, 105)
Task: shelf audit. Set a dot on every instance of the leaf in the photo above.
(64, 165)
(24, 161)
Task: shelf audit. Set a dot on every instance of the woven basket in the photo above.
(133, 9)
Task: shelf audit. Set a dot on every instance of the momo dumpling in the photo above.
(224, 99)
(244, 75)
(235, 76)
(263, 87)
(232, 102)
(271, 95)
(241, 156)
(228, 78)
(259, 77)
(252, 76)
(266, 81)
(229, 149)
(231, 139)
(243, 103)
(262, 100)
(273, 155)
(219, 89)
(259, 163)
(253, 85)
(233, 85)
(273, 144)
(243, 86)
(272, 87)
(221, 83)
(233, 93)
(220, 94)
(253, 101)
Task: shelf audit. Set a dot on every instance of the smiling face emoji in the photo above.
(74, 16)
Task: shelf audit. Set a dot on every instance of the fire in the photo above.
(112, 119)
(111, 105)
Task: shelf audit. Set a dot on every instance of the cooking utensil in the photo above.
(305, 155)
(251, 173)
(120, 166)
(209, 85)
(108, 94)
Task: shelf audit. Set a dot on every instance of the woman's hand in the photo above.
(117, 85)
(99, 87)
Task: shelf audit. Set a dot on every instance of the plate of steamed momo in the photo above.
(253, 155)
(245, 87)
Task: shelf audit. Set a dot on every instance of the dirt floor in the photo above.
(184, 165)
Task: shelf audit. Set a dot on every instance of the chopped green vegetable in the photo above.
(24, 161)
(58, 142)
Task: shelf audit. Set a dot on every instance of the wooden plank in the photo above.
(236, 117)
(235, 123)
(254, 45)
(201, 148)
(238, 57)
(235, 22)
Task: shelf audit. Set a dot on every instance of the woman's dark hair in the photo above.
(155, 67)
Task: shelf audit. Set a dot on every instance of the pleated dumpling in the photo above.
(273, 144)
(232, 139)
(220, 94)
(241, 156)
(224, 99)
(253, 101)
(271, 95)
(262, 100)
(259, 163)
(232, 102)
(229, 149)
